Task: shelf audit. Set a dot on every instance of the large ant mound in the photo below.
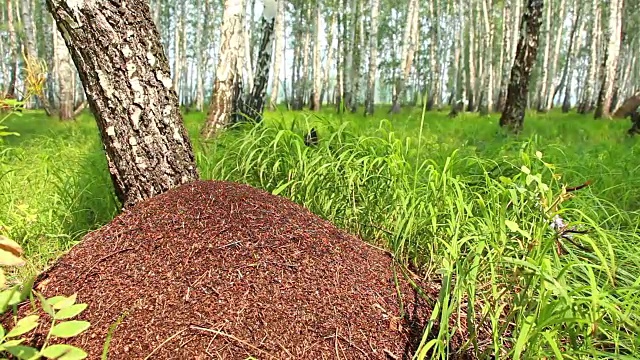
(221, 270)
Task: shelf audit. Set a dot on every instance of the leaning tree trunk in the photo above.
(254, 104)
(373, 59)
(513, 113)
(603, 109)
(126, 77)
(65, 77)
(279, 52)
(227, 87)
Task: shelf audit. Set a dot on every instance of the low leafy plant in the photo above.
(60, 309)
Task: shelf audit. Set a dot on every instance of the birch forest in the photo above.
(356, 54)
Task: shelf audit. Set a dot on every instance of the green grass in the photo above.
(456, 199)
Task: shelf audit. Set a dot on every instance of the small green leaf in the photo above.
(1, 331)
(69, 329)
(513, 226)
(63, 352)
(23, 352)
(27, 287)
(45, 304)
(10, 343)
(525, 170)
(65, 302)
(55, 300)
(24, 325)
(530, 179)
(68, 313)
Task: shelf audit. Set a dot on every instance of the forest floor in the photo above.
(455, 199)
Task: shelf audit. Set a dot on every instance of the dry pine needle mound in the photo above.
(220, 270)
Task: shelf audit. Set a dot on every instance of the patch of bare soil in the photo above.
(218, 270)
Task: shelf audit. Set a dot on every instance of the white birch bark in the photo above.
(176, 51)
(201, 62)
(65, 78)
(408, 48)
(279, 53)
(373, 59)
(253, 106)
(330, 58)
(542, 95)
(247, 54)
(227, 88)
(611, 59)
(487, 86)
(433, 101)
(587, 102)
(13, 55)
(317, 68)
(556, 54)
(349, 47)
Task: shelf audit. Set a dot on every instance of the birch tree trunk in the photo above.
(471, 64)
(554, 62)
(486, 104)
(572, 54)
(513, 113)
(505, 55)
(176, 50)
(435, 93)
(339, 90)
(13, 51)
(603, 109)
(356, 73)
(126, 77)
(304, 77)
(373, 59)
(317, 69)
(65, 77)
(247, 48)
(30, 48)
(587, 103)
(227, 87)
(330, 60)
(542, 94)
(279, 52)
(200, 57)
(406, 59)
(460, 90)
(349, 45)
(254, 104)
